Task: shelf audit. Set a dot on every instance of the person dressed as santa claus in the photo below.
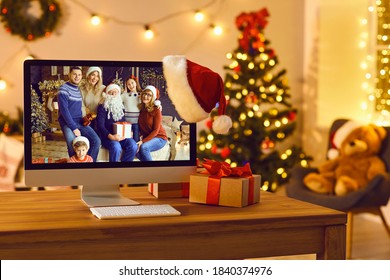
(111, 110)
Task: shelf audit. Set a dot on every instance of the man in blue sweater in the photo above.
(70, 115)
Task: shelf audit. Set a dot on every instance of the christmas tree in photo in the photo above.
(257, 94)
(39, 119)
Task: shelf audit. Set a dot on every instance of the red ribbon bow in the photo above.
(223, 169)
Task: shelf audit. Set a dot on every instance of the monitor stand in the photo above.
(104, 195)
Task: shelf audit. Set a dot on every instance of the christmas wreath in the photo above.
(14, 14)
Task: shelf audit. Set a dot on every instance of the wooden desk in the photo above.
(57, 225)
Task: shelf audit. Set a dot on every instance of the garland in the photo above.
(17, 22)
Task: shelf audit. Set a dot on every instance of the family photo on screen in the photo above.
(104, 114)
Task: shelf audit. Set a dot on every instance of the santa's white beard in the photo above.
(114, 106)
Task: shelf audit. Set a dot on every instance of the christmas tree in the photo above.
(257, 96)
(39, 119)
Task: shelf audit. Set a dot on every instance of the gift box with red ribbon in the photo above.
(42, 160)
(169, 190)
(123, 129)
(223, 185)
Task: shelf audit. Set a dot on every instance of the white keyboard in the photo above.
(136, 211)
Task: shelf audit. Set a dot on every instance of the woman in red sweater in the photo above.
(152, 134)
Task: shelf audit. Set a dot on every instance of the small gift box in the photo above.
(225, 186)
(123, 129)
(169, 190)
(48, 160)
(42, 160)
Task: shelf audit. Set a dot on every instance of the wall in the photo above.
(333, 77)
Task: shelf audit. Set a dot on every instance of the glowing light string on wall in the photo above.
(148, 27)
(376, 66)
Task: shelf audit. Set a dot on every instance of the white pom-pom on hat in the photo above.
(333, 153)
(222, 124)
(195, 90)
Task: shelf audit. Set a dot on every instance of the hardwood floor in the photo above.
(370, 239)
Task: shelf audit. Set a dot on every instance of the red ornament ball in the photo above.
(225, 152)
(292, 116)
(52, 8)
(209, 123)
(267, 146)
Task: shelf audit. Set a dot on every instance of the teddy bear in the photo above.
(356, 163)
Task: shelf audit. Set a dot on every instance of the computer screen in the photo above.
(69, 100)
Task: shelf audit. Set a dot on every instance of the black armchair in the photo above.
(369, 199)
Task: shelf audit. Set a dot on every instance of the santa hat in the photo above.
(195, 90)
(156, 94)
(339, 136)
(111, 87)
(93, 69)
(81, 139)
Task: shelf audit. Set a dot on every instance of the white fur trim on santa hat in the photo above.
(344, 131)
(113, 86)
(93, 69)
(179, 90)
(153, 90)
(81, 139)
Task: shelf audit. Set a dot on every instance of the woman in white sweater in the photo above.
(91, 91)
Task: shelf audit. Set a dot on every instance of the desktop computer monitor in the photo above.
(46, 157)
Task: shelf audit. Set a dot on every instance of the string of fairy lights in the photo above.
(200, 14)
(375, 38)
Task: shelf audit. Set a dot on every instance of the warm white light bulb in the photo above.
(95, 20)
(149, 34)
(3, 84)
(217, 30)
(199, 16)
(364, 106)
